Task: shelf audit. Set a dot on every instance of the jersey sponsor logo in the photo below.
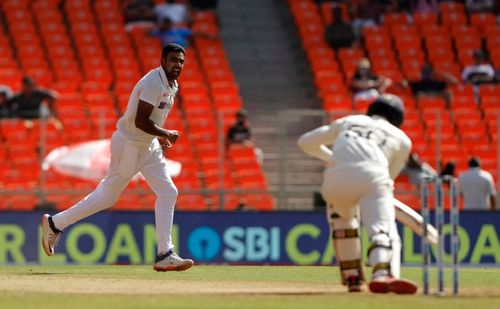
(164, 105)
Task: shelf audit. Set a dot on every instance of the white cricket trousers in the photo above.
(369, 186)
(128, 159)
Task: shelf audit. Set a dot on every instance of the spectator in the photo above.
(366, 14)
(365, 84)
(477, 187)
(418, 170)
(425, 6)
(239, 133)
(474, 6)
(339, 33)
(5, 95)
(204, 5)
(26, 104)
(448, 172)
(396, 6)
(479, 72)
(433, 82)
(139, 14)
(168, 33)
(177, 11)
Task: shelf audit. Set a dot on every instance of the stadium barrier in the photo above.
(298, 238)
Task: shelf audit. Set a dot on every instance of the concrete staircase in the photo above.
(272, 70)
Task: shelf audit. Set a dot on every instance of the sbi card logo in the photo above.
(236, 243)
(204, 243)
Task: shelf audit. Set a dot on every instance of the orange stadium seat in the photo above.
(49, 28)
(395, 19)
(320, 52)
(11, 77)
(375, 42)
(411, 54)
(82, 28)
(81, 15)
(191, 202)
(483, 20)
(407, 41)
(59, 52)
(453, 18)
(8, 63)
(48, 15)
(337, 102)
(432, 103)
(326, 11)
(434, 41)
(451, 7)
(259, 201)
(433, 30)
(489, 90)
(467, 42)
(13, 5)
(421, 19)
(463, 30)
(375, 31)
(465, 56)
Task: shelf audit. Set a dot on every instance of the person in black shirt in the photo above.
(5, 94)
(239, 133)
(339, 33)
(26, 104)
(433, 83)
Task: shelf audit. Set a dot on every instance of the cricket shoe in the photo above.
(50, 235)
(386, 284)
(354, 284)
(170, 261)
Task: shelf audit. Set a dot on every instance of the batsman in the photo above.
(367, 154)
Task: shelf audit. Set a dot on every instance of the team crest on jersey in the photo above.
(164, 105)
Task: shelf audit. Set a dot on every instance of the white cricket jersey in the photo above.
(473, 69)
(358, 139)
(476, 186)
(152, 88)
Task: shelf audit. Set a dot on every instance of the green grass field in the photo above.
(223, 287)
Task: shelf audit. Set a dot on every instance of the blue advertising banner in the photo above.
(300, 238)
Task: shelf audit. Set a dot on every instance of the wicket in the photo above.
(440, 222)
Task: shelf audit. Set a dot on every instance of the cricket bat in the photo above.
(414, 221)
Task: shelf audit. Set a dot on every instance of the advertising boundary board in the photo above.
(297, 238)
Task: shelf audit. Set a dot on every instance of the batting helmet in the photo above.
(388, 106)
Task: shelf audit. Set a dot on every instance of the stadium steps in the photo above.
(271, 68)
(265, 54)
(302, 175)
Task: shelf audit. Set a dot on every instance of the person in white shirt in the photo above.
(136, 146)
(479, 72)
(477, 187)
(368, 152)
(365, 84)
(177, 12)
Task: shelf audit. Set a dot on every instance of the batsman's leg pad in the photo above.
(380, 254)
(347, 245)
(396, 252)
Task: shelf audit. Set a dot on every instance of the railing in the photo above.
(281, 190)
